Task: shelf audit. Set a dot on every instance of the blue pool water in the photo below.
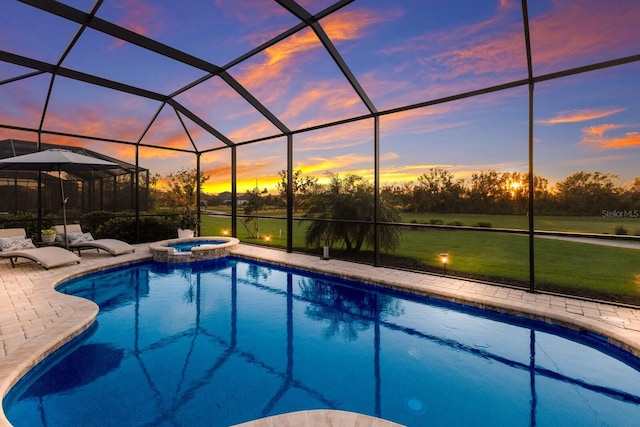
(186, 246)
(227, 341)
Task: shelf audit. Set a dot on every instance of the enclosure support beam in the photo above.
(198, 190)
(290, 200)
(234, 196)
(376, 191)
(137, 191)
(527, 39)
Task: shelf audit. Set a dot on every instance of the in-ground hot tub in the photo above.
(192, 249)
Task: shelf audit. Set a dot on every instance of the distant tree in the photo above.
(488, 192)
(302, 188)
(183, 187)
(155, 195)
(632, 195)
(254, 202)
(516, 197)
(400, 196)
(352, 199)
(588, 193)
(436, 191)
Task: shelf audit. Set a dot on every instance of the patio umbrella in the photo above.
(57, 160)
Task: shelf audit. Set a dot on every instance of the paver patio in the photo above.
(35, 320)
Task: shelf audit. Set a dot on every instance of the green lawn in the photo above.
(577, 266)
(559, 265)
(574, 224)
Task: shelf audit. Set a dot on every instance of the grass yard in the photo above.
(573, 224)
(569, 267)
(578, 267)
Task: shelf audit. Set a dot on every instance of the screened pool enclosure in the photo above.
(504, 134)
(110, 190)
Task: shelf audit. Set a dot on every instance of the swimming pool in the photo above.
(226, 341)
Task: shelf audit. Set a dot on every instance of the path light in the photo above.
(267, 239)
(444, 259)
(225, 232)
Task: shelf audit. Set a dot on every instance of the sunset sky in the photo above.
(401, 53)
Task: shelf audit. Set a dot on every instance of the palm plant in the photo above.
(343, 212)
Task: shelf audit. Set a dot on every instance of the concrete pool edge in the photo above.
(320, 418)
(30, 288)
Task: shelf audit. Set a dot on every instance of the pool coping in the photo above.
(35, 320)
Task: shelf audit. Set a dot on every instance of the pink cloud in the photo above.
(579, 30)
(139, 17)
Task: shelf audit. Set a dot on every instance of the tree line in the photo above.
(492, 192)
(351, 199)
(438, 191)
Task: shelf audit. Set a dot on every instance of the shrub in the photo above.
(456, 223)
(436, 221)
(621, 231)
(483, 224)
(26, 220)
(92, 221)
(152, 228)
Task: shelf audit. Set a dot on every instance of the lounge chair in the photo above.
(15, 244)
(78, 240)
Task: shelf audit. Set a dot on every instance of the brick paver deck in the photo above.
(35, 320)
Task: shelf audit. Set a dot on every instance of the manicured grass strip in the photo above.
(573, 224)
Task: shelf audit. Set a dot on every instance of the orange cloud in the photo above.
(343, 163)
(253, 130)
(279, 61)
(597, 137)
(215, 102)
(328, 100)
(579, 116)
(16, 134)
(335, 137)
(261, 172)
(208, 93)
(92, 120)
(218, 178)
(352, 24)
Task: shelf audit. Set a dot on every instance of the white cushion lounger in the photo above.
(47, 257)
(79, 240)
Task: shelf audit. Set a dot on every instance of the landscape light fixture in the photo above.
(225, 232)
(444, 259)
